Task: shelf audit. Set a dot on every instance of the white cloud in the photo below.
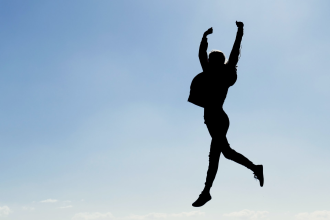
(150, 215)
(187, 214)
(317, 215)
(25, 208)
(153, 215)
(94, 215)
(4, 211)
(65, 207)
(49, 201)
(248, 214)
(165, 215)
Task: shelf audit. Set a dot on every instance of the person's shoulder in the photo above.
(231, 73)
(230, 67)
(229, 64)
(199, 79)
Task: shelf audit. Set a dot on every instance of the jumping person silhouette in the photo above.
(220, 75)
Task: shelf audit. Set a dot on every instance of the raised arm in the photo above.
(203, 50)
(233, 58)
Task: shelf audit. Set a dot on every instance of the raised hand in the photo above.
(209, 31)
(239, 24)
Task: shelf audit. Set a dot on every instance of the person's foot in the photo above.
(259, 174)
(203, 198)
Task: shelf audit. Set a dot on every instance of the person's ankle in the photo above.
(206, 191)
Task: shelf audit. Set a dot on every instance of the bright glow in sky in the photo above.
(95, 123)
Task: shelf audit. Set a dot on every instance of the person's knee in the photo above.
(228, 152)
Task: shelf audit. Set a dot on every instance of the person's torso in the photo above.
(218, 82)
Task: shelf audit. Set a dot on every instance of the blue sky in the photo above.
(95, 123)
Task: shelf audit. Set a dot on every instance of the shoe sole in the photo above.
(201, 204)
(262, 171)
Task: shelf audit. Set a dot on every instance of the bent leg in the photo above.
(231, 154)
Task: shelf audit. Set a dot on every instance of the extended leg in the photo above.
(214, 157)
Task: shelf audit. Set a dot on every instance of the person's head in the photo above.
(216, 58)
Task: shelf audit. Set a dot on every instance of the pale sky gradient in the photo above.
(95, 123)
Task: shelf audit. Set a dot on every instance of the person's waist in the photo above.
(211, 109)
(214, 105)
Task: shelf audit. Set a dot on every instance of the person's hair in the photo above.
(217, 56)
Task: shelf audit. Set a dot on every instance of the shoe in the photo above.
(202, 199)
(259, 174)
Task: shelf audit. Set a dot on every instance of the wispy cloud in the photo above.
(4, 211)
(25, 208)
(65, 207)
(248, 214)
(49, 201)
(165, 215)
(92, 216)
(317, 215)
